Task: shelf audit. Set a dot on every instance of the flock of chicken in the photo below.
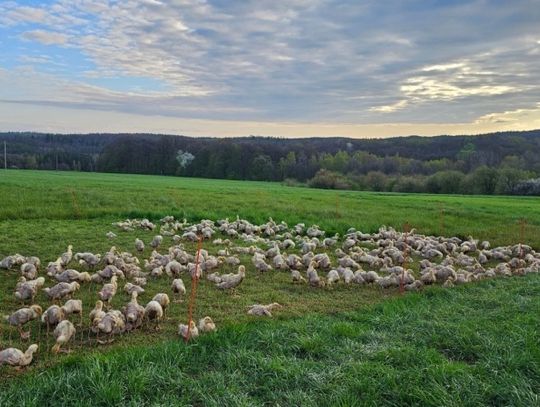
(382, 259)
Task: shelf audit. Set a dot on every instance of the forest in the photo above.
(496, 163)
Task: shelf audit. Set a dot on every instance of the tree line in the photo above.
(497, 163)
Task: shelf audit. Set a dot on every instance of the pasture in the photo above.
(339, 346)
(34, 198)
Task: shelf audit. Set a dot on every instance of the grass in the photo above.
(42, 195)
(470, 346)
(343, 346)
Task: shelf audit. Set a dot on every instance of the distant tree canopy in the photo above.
(498, 163)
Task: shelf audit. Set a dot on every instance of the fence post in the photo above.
(194, 282)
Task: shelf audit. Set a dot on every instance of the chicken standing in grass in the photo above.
(179, 289)
(96, 315)
(109, 291)
(332, 277)
(17, 358)
(140, 281)
(29, 271)
(193, 331)
(214, 277)
(153, 312)
(312, 276)
(174, 268)
(87, 259)
(112, 323)
(61, 290)
(63, 332)
(156, 241)
(23, 316)
(207, 325)
(297, 277)
(164, 301)
(416, 285)
(129, 288)
(348, 276)
(27, 290)
(139, 245)
(69, 275)
(134, 313)
(66, 257)
(428, 277)
(260, 264)
(74, 307)
(263, 310)
(230, 282)
(54, 267)
(52, 316)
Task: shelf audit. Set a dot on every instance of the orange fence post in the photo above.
(194, 282)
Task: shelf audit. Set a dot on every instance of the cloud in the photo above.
(427, 88)
(443, 67)
(35, 59)
(474, 78)
(389, 108)
(298, 61)
(519, 117)
(28, 87)
(45, 37)
(23, 14)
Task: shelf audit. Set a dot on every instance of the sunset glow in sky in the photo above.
(291, 68)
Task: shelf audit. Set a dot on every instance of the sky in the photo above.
(292, 68)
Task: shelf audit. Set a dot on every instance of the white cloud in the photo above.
(35, 59)
(389, 108)
(519, 117)
(426, 88)
(22, 14)
(45, 37)
(443, 67)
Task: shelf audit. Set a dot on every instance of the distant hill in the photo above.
(277, 159)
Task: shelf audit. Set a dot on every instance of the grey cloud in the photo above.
(304, 60)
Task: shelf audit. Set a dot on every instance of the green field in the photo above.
(474, 345)
(32, 197)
